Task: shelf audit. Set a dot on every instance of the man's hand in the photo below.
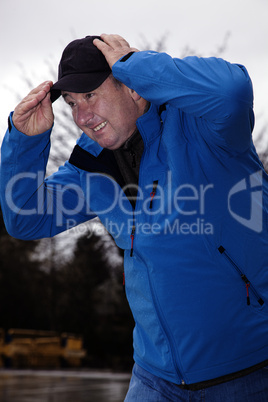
(34, 114)
(113, 47)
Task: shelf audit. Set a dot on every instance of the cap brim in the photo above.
(78, 83)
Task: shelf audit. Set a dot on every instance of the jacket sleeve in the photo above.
(217, 94)
(34, 207)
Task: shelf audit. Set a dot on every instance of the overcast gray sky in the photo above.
(33, 31)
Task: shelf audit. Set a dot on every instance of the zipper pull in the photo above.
(245, 279)
(152, 194)
(132, 239)
(247, 287)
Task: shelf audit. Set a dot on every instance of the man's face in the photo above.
(107, 115)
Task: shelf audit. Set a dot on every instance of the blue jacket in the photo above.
(196, 244)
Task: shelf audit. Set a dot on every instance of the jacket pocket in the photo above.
(250, 289)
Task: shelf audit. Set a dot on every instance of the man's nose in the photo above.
(84, 115)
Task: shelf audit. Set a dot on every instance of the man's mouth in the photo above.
(100, 126)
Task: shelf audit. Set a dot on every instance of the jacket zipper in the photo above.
(132, 236)
(166, 331)
(243, 277)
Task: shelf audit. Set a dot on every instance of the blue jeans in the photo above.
(145, 387)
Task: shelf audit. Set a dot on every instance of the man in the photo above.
(166, 160)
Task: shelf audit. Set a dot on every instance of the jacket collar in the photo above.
(149, 125)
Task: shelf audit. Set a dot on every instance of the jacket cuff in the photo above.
(126, 57)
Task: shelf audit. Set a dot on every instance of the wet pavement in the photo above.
(62, 386)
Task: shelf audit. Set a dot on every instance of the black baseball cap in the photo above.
(82, 68)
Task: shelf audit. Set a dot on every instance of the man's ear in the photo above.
(136, 97)
(141, 103)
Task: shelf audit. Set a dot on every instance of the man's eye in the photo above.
(71, 104)
(89, 95)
